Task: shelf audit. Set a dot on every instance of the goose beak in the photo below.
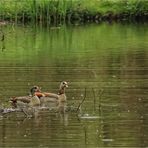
(39, 89)
(66, 84)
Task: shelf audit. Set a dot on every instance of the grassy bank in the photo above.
(71, 10)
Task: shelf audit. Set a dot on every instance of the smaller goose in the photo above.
(26, 101)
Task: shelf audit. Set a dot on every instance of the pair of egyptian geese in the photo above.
(38, 98)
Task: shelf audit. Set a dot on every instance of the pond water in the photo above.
(107, 63)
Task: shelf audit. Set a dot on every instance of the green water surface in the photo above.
(111, 59)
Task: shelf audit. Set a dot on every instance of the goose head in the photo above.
(34, 89)
(62, 88)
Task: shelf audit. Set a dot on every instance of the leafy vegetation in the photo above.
(69, 10)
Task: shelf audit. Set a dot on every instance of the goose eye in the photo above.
(34, 87)
(65, 83)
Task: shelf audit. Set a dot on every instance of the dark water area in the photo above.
(108, 61)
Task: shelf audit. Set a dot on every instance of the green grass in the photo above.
(61, 10)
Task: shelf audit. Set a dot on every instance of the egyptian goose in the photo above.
(26, 101)
(52, 97)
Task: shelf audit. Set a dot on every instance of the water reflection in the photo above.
(112, 58)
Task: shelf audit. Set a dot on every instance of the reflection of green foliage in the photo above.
(26, 44)
(60, 9)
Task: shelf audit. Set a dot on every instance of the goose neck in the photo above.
(61, 91)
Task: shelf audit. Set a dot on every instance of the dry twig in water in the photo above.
(81, 101)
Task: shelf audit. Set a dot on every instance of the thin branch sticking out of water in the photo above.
(94, 94)
(9, 110)
(81, 101)
(100, 93)
(6, 111)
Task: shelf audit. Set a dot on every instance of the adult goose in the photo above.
(46, 97)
